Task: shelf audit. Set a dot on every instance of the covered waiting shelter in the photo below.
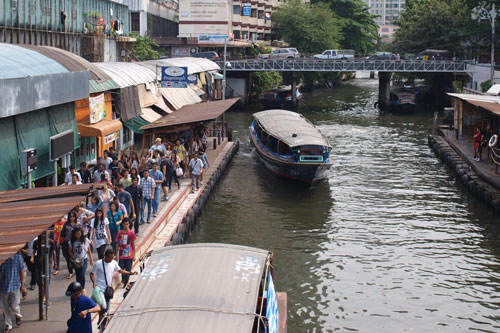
(27, 213)
(187, 117)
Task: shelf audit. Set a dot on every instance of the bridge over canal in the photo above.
(384, 67)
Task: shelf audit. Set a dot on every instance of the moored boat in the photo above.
(290, 146)
(207, 288)
(402, 101)
(281, 97)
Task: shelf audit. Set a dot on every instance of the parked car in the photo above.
(263, 56)
(382, 56)
(285, 53)
(335, 54)
(208, 55)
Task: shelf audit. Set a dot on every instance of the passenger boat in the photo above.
(402, 101)
(281, 97)
(208, 288)
(290, 146)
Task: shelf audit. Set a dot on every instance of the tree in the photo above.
(438, 24)
(142, 49)
(262, 81)
(357, 24)
(310, 28)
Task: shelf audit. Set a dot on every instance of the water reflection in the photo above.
(388, 243)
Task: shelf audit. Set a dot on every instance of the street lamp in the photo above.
(481, 13)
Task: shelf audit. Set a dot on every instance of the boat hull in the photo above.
(307, 173)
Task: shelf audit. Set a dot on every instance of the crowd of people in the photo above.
(108, 222)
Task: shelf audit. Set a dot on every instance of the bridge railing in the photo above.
(317, 65)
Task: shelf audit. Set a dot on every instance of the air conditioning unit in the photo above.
(193, 50)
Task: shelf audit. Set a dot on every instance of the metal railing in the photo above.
(318, 65)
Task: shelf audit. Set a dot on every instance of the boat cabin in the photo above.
(204, 288)
(292, 137)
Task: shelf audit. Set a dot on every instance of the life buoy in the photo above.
(493, 141)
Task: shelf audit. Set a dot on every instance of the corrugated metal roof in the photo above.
(179, 97)
(487, 102)
(18, 62)
(98, 80)
(17, 227)
(494, 90)
(194, 65)
(195, 288)
(127, 74)
(291, 128)
(194, 113)
(149, 115)
(45, 205)
(148, 94)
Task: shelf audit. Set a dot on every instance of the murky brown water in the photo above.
(389, 243)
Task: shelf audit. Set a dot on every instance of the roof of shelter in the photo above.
(195, 288)
(194, 65)
(19, 62)
(194, 113)
(127, 74)
(487, 102)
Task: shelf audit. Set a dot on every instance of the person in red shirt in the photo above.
(125, 247)
(58, 240)
(477, 143)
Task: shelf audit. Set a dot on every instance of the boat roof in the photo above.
(194, 288)
(291, 128)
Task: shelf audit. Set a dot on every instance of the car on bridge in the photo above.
(382, 56)
(335, 54)
(284, 53)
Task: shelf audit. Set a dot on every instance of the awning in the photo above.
(179, 97)
(102, 128)
(487, 102)
(196, 89)
(147, 94)
(150, 115)
(194, 113)
(160, 103)
(136, 123)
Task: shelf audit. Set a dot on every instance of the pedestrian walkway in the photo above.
(59, 308)
(484, 168)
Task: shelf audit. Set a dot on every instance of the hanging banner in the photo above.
(246, 10)
(111, 137)
(272, 306)
(212, 39)
(193, 79)
(97, 108)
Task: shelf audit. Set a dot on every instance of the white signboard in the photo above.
(203, 16)
(97, 108)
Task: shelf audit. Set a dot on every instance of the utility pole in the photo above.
(224, 70)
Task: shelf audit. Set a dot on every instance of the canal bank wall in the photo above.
(467, 172)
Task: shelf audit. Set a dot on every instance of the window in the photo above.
(236, 9)
(254, 12)
(237, 34)
(135, 22)
(260, 14)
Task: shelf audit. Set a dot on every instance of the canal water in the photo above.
(388, 243)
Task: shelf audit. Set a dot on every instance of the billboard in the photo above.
(247, 10)
(174, 77)
(212, 39)
(207, 16)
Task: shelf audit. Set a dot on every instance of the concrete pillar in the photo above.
(384, 91)
(294, 87)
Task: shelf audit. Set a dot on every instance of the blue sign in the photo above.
(246, 10)
(174, 77)
(212, 39)
(272, 306)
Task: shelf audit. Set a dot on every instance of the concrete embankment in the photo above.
(466, 173)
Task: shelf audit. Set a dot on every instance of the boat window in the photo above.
(284, 149)
(272, 143)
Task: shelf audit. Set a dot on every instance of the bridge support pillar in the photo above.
(384, 91)
(294, 89)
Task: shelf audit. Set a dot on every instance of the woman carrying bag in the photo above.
(115, 218)
(100, 232)
(66, 235)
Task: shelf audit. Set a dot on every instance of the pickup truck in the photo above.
(335, 54)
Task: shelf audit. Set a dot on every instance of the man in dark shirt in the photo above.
(136, 193)
(82, 308)
(85, 173)
(38, 262)
(113, 168)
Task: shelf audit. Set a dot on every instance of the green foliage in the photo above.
(310, 28)
(262, 81)
(486, 85)
(142, 49)
(264, 49)
(438, 24)
(358, 26)
(253, 51)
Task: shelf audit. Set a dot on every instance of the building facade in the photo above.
(387, 12)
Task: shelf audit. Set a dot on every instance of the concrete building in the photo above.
(94, 29)
(247, 22)
(387, 12)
